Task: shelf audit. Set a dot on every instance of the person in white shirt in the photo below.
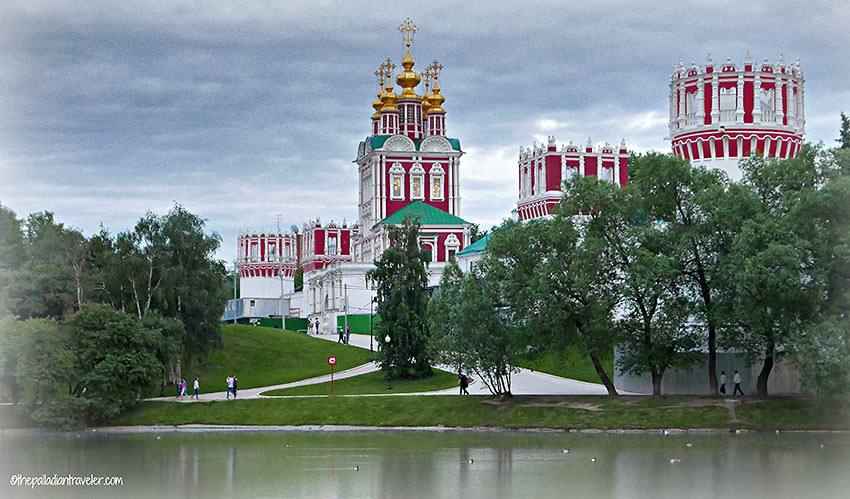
(737, 380)
(723, 382)
(197, 386)
(229, 386)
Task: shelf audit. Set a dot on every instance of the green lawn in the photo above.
(574, 365)
(375, 382)
(577, 412)
(261, 356)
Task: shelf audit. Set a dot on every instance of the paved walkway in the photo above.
(253, 393)
(524, 382)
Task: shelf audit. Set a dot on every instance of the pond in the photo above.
(431, 464)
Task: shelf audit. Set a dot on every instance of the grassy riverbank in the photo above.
(560, 412)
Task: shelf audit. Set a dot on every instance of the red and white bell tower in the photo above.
(408, 164)
(722, 113)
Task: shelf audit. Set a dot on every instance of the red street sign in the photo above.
(331, 361)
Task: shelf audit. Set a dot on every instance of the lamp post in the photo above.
(389, 364)
(371, 317)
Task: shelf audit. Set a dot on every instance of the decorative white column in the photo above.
(700, 114)
(739, 110)
(715, 99)
(781, 98)
(681, 89)
(757, 99)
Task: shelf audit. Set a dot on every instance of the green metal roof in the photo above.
(427, 215)
(476, 247)
(377, 141)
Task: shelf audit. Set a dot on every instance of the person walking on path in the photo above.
(235, 380)
(464, 384)
(317, 325)
(723, 382)
(229, 386)
(347, 334)
(197, 386)
(341, 336)
(183, 388)
(737, 380)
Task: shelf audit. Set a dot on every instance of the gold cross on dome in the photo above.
(410, 28)
(389, 67)
(380, 74)
(436, 67)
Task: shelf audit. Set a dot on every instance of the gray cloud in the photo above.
(241, 111)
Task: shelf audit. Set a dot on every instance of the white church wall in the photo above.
(264, 287)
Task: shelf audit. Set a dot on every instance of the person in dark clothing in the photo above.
(341, 336)
(463, 381)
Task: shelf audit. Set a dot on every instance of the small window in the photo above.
(417, 187)
(396, 187)
(251, 303)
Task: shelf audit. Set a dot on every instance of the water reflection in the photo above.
(422, 464)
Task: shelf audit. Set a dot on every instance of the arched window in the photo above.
(452, 246)
(437, 175)
(396, 181)
(417, 182)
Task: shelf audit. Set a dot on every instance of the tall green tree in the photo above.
(51, 281)
(702, 212)
(844, 132)
(115, 359)
(641, 258)
(12, 256)
(773, 276)
(400, 280)
(469, 328)
(788, 269)
(165, 265)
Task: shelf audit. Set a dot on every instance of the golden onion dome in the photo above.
(377, 104)
(436, 101)
(426, 105)
(388, 100)
(408, 79)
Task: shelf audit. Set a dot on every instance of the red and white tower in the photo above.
(543, 169)
(408, 165)
(720, 114)
(262, 260)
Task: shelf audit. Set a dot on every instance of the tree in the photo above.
(12, 256)
(469, 330)
(50, 282)
(298, 278)
(400, 280)
(776, 280)
(844, 137)
(114, 359)
(701, 212)
(443, 321)
(475, 233)
(165, 265)
(640, 258)
(553, 296)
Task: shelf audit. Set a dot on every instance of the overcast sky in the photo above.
(243, 110)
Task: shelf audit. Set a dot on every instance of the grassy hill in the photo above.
(261, 356)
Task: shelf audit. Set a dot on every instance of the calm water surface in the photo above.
(427, 464)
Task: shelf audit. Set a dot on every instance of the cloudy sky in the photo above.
(243, 110)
